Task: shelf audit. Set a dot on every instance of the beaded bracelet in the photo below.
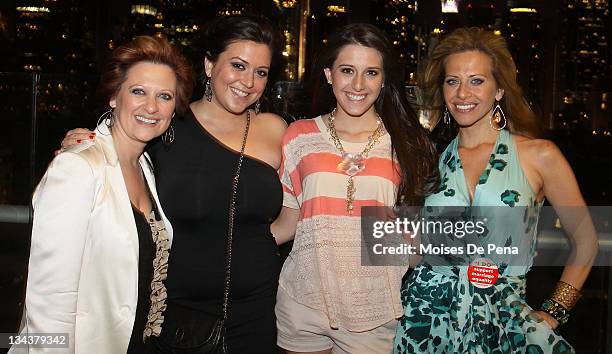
(556, 310)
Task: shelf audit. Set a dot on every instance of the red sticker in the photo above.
(483, 273)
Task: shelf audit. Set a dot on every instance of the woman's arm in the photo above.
(283, 228)
(62, 205)
(561, 189)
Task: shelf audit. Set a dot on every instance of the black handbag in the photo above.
(193, 336)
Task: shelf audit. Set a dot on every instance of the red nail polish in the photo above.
(91, 136)
(78, 141)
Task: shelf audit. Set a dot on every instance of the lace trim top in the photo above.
(324, 269)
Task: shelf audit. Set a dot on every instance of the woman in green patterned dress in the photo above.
(496, 161)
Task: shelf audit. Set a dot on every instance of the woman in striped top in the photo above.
(370, 150)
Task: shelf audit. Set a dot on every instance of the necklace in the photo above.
(353, 163)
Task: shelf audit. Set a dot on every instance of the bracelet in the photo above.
(566, 295)
(556, 310)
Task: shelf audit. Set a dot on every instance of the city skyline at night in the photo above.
(561, 48)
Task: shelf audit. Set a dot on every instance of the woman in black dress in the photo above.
(194, 180)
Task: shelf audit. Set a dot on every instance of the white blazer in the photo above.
(83, 270)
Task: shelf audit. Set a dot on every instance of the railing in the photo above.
(17, 214)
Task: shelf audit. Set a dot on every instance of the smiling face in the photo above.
(356, 77)
(239, 75)
(145, 102)
(469, 87)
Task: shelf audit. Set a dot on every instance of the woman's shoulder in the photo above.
(303, 126)
(273, 124)
(273, 120)
(539, 151)
(90, 151)
(78, 162)
(300, 129)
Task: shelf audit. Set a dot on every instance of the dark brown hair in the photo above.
(225, 30)
(520, 117)
(410, 142)
(147, 49)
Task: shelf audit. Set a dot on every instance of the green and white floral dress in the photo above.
(443, 311)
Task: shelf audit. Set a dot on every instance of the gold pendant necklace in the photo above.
(353, 163)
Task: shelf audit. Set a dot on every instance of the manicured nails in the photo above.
(92, 136)
(79, 141)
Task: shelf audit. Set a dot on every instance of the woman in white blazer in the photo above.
(100, 239)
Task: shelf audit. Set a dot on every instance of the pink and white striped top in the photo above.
(323, 270)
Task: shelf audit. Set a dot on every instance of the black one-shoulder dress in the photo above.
(194, 179)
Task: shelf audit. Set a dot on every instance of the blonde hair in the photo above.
(520, 117)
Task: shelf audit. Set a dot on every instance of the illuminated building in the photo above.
(288, 18)
(235, 7)
(398, 18)
(33, 35)
(331, 15)
(522, 31)
(324, 17)
(584, 56)
(182, 21)
(142, 19)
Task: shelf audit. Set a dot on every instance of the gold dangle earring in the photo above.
(497, 117)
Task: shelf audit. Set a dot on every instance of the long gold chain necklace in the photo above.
(353, 163)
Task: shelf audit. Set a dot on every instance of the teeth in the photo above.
(239, 92)
(145, 120)
(465, 106)
(355, 97)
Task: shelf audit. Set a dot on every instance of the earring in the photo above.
(257, 107)
(208, 90)
(329, 81)
(446, 117)
(382, 86)
(168, 136)
(107, 118)
(497, 117)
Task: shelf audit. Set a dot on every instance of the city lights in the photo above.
(336, 8)
(580, 52)
(32, 9)
(523, 9)
(450, 6)
(144, 10)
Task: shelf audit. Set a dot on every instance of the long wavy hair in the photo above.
(410, 142)
(520, 117)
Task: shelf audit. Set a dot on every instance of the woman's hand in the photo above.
(548, 318)
(75, 137)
